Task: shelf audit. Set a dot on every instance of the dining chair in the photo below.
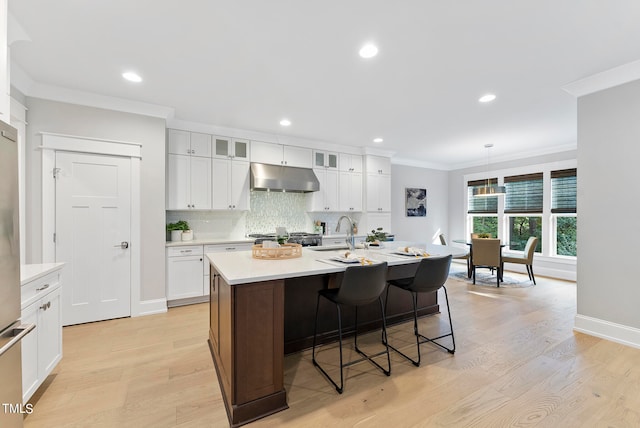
(466, 257)
(360, 285)
(430, 276)
(526, 258)
(486, 252)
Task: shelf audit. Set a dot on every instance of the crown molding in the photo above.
(522, 155)
(31, 88)
(419, 164)
(604, 80)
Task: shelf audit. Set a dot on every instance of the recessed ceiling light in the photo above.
(285, 122)
(368, 51)
(378, 140)
(132, 77)
(487, 98)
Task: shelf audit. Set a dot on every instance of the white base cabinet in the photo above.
(184, 272)
(42, 348)
(188, 271)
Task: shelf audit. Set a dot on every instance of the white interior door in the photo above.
(93, 227)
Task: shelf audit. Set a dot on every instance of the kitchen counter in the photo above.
(241, 268)
(32, 272)
(252, 324)
(210, 242)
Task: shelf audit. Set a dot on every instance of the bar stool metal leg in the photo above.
(420, 339)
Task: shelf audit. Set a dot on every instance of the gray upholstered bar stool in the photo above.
(431, 275)
(360, 285)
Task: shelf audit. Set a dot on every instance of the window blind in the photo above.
(563, 191)
(524, 193)
(483, 205)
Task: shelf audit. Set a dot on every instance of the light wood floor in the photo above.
(518, 364)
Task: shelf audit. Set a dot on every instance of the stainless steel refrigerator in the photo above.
(11, 331)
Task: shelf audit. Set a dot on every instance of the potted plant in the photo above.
(176, 230)
(376, 236)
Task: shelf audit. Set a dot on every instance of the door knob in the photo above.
(124, 245)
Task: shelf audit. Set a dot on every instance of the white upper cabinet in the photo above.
(326, 199)
(378, 165)
(323, 159)
(230, 184)
(350, 197)
(188, 182)
(278, 154)
(4, 64)
(234, 148)
(378, 192)
(350, 163)
(189, 143)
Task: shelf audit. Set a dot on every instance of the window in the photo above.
(524, 196)
(481, 222)
(540, 201)
(485, 204)
(521, 228)
(524, 193)
(564, 209)
(485, 224)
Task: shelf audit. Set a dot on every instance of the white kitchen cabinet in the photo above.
(189, 143)
(184, 272)
(350, 191)
(378, 192)
(230, 185)
(5, 115)
(378, 165)
(374, 220)
(350, 163)
(42, 348)
(323, 159)
(188, 271)
(325, 199)
(230, 148)
(278, 154)
(188, 182)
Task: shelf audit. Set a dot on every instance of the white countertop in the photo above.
(31, 272)
(241, 268)
(210, 242)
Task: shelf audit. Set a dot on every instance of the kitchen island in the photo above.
(262, 309)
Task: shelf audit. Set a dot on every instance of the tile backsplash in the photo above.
(274, 209)
(268, 211)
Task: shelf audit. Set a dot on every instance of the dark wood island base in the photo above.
(253, 325)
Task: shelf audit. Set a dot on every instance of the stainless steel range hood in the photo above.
(283, 178)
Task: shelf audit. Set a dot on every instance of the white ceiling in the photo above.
(248, 63)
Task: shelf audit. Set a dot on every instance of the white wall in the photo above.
(421, 229)
(608, 153)
(71, 119)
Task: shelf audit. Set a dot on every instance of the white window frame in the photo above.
(548, 248)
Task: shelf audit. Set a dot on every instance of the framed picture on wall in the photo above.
(415, 202)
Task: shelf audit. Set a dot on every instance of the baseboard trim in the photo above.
(150, 307)
(608, 330)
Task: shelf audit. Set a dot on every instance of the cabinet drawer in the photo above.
(221, 248)
(185, 250)
(37, 288)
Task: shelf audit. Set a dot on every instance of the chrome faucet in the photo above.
(351, 239)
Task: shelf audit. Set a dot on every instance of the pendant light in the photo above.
(488, 189)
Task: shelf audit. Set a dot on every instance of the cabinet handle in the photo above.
(200, 258)
(230, 248)
(44, 287)
(45, 306)
(186, 251)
